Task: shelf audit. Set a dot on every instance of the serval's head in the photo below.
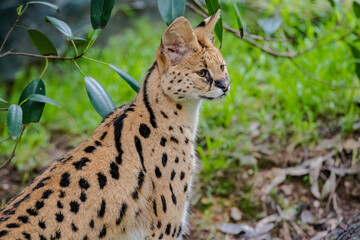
(193, 68)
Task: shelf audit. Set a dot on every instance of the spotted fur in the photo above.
(132, 178)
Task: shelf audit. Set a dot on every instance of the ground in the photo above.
(295, 193)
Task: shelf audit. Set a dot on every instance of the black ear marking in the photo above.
(202, 24)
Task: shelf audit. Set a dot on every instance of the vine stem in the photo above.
(39, 56)
(79, 68)
(46, 66)
(94, 60)
(14, 149)
(8, 34)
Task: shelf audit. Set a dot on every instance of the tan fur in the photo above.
(145, 150)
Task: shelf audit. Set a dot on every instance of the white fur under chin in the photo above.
(135, 235)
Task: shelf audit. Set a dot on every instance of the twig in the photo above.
(3, 109)
(8, 34)
(204, 13)
(13, 152)
(250, 38)
(4, 140)
(309, 74)
(39, 56)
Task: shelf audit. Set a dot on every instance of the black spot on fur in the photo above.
(89, 149)
(179, 232)
(102, 180)
(85, 237)
(182, 175)
(61, 194)
(164, 159)
(84, 184)
(12, 225)
(114, 170)
(101, 211)
(32, 212)
(145, 94)
(92, 223)
(42, 237)
(144, 130)
(74, 228)
(173, 197)
(83, 197)
(185, 187)
(46, 194)
(82, 163)
(163, 114)
(74, 206)
(26, 235)
(23, 219)
(174, 139)
(161, 236)
(102, 232)
(163, 141)
(135, 193)
(173, 173)
(21, 200)
(159, 224)
(163, 201)
(139, 150)
(60, 205)
(157, 172)
(97, 143)
(41, 183)
(168, 229)
(122, 213)
(59, 217)
(39, 205)
(179, 106)
(65, 180)
(103, 136)
(155, 208)
(42, 224)
(3, 233)
(177, 159)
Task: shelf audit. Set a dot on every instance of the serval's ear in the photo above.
(204, 31)
(178, 41)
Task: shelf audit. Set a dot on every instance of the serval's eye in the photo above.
(222, 67)
(202, 72)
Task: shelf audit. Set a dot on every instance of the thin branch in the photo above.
(8, 34)
(316, 78)
(203, 12)
(4, 140)
(249, 38)
(13, 152)
(3, 109)
(8, 53)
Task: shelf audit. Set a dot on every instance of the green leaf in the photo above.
(60, 25)
(41, 98)
(76, 38)
(3, 100)
(14, 120)
(238, 19)
(129, 79)
(99, 98)
(100, 12)
(213, 6)
(356, 8)
(92, 36)
(270, 25)
(32, 110)
(42, 43)
(171, 9)
(356, 53)
(47, 4)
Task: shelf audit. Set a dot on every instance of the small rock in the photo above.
(236, 214)
(286, 189)
(351, 144)
(307, 217)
